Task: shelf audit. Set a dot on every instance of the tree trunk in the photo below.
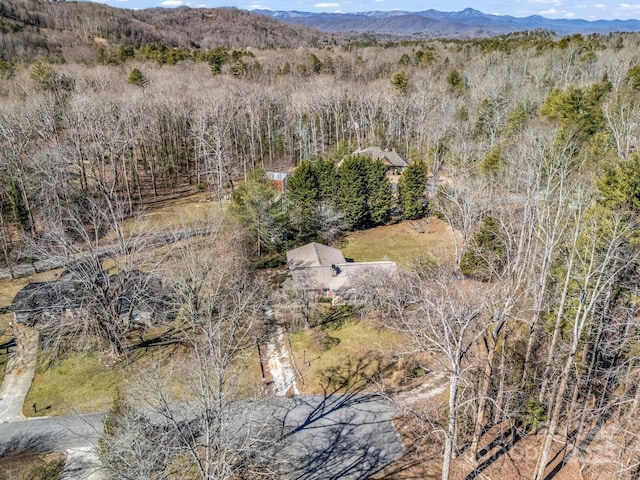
(452, 425)
(482, 395)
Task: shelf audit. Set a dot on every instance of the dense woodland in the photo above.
(529, 142)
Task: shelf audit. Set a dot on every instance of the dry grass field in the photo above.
(352, 348)
(402, 242)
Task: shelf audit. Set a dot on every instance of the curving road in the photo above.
(345, 436)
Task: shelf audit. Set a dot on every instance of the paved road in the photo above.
(50, 434)
(348, 437)
(83, 463)
(25, 269)
(340, 437)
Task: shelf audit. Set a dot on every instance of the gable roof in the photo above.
(388, 157)
(357, 274)
(138, 292)
(314, 255)
(39, 296)
(342, 279)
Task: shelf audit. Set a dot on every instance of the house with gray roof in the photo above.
(314, 255)
(394, 162)
(322, 271)
(140, 298)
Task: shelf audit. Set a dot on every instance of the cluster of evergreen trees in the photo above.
(323, 198)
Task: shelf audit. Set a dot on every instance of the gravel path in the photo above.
(435, 385)
(282, 375)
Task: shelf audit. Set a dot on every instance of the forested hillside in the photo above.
(530, 143)
(75, 30)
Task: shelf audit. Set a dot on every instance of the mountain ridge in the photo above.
(465, 23)
(31, 29)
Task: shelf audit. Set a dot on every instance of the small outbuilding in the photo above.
(279, 179)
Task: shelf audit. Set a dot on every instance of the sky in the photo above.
(587, 10)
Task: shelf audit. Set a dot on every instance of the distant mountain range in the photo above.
(433, 23)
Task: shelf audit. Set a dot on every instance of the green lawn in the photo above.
(77, 384)
(402, 243)
(360, 346)
(81, 383)
(188, 212)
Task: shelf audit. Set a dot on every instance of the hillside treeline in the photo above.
(74, 30)
(532, 158)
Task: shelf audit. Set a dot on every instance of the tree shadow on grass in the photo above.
(170, 337)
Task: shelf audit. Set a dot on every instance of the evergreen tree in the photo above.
(303, 194)
(379, 195)
(364, 193)
(136, 77)
(354, 191)
(490, 165)
(456, 82)
(46, 79)
(620, 186)
(577, 109)
(18, 206)
(328, 183)
(400, 81)
(256, 203)
(217, 57)
(485, 254)
(411, 187)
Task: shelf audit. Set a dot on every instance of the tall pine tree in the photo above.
(379, 193)
(354, 191)
(303, 193)
(256, 203)
(412, 191)
(485, 254)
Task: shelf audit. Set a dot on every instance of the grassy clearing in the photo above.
(81, 383)
(401, 243)
(187, 212)
(360, 344)
(77, 384)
